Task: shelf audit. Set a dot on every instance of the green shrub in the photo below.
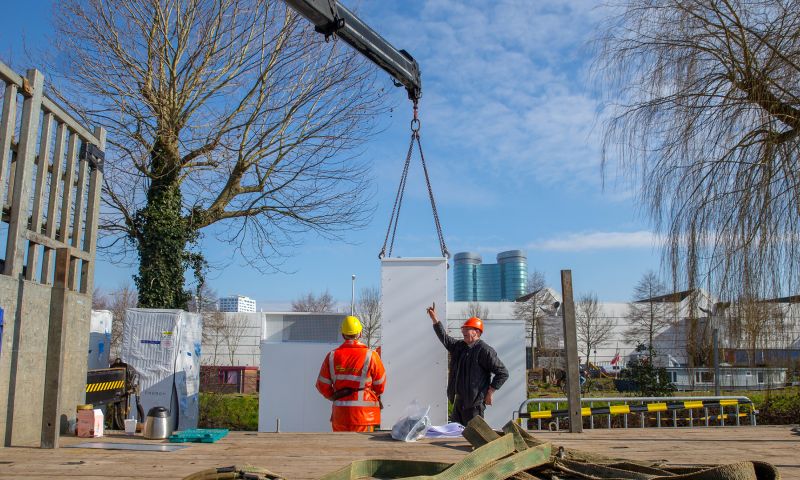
(777, 407)
(232, 411)
(648, 380)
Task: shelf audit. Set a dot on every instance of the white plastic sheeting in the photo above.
(164, 348)
(99, 339)
(289, 372)
(507, 337)
(415, 360)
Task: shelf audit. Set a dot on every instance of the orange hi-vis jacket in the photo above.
(353, 365)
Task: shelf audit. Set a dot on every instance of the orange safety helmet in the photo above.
(474, 322)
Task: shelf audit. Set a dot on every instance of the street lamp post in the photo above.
(353, 297)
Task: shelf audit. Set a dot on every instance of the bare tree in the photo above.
(755, 320)
(119, 301)
(475, 309)
(232, 112)
(368, 309)
(205, 299)
(648, 313)
(593, 327)
(100, 300)
(312, 303)
(706, 118)
(233, 331)
(531, 310)
(214, 326)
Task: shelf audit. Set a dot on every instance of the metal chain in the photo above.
(442, 246)
(398, 201)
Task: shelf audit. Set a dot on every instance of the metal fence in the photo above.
(646, 411)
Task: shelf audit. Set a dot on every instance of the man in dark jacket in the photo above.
(470, 385)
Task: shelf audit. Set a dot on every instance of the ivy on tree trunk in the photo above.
(163, 234)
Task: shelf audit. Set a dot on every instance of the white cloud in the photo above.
(588, 241)
(506, 81)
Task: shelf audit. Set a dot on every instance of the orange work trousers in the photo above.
(338, 427)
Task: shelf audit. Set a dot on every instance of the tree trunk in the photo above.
(163, 233)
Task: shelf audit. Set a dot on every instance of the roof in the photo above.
(675, 297)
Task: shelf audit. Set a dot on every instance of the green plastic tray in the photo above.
(202, 435)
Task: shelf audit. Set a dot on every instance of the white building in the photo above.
(238, 342)
(237, 303)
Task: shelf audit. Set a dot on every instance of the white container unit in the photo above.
(288, 397)
(99, 339)
(415, 360)
(293, 347)
(164, 348)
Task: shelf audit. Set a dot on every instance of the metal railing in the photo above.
(626, 406)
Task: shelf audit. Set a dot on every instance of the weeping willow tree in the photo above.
(704, 116)
(231, 114)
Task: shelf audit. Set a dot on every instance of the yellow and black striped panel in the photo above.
(105, 385)
(102, 386)
(639, 408)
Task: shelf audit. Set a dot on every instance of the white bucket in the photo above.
(130, 426)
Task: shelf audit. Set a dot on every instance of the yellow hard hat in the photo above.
(351, 325)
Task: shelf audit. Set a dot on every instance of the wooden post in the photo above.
(26, 155)
(51, 408)
(43, 162)
(92, 218)
(52, 203)
(571, 348)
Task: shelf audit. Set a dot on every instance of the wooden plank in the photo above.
(63, 116)
(77, 223)
(66, 196)
(52, 200)
(92, 219)
(7, 123)
(42, 162)
(52, 244)
(26, 152)
(309, 456)
(13, 78)
(571, 347)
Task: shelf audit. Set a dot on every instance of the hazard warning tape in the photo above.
(103, 386)
(643, 408)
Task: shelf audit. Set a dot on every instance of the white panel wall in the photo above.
(289, 373)
(415, 360)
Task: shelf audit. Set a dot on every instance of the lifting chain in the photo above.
(398, 201)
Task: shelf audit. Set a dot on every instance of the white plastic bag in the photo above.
(413, 425)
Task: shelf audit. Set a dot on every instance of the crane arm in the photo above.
(330, 16)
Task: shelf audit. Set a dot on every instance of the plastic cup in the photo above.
(130, 426)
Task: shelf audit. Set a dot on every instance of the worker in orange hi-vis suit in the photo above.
(353, 378)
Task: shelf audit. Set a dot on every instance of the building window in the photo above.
(760, 377)
(673, 377)
(703, 377)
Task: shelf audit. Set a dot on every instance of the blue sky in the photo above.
(511, 130)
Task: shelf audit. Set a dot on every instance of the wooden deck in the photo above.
(308, 456)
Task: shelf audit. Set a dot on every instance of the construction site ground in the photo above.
(300, 456)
